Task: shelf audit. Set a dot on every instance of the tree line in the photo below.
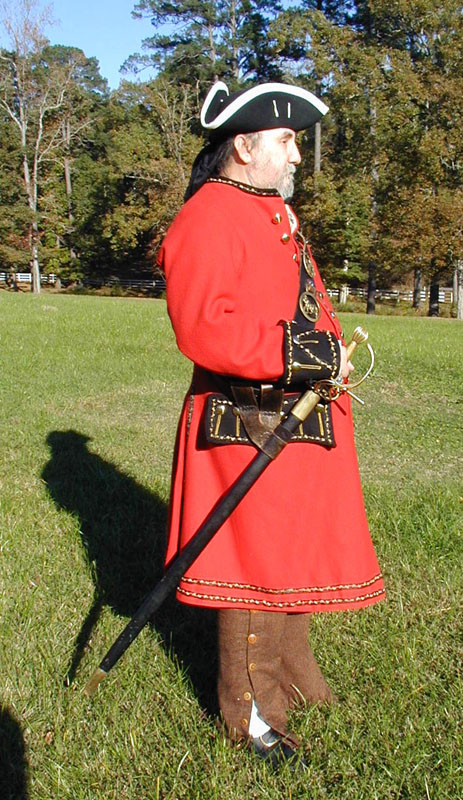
(90, 178)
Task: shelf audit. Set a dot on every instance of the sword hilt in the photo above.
(310, 399)
(359, 336)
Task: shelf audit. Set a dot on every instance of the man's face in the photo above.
(274, 157)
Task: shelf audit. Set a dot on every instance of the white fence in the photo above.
(445, 294)
(25, 277)
(157, 283)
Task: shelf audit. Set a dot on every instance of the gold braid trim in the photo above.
(289, 340)
(245, 187)
(333, 347)
(336, 351)
(293, 604)
(306, 589)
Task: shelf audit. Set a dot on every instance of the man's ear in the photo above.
(243, 148)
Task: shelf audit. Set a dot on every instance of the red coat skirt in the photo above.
(299, 540)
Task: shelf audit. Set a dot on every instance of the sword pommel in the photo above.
(359, 336)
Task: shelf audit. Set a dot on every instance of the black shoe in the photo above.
(273, 748)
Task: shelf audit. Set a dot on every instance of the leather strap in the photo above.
(259, 420)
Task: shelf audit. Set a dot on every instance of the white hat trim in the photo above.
(251, 94)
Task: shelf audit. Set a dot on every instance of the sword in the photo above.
(328, 390)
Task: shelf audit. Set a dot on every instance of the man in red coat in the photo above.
(248, 307)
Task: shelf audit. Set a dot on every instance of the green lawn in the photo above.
(91, 391)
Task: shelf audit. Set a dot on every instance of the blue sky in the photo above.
(101, 28)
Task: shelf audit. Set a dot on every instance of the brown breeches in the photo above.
(265, 656)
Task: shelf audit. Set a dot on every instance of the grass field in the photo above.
(91, 390)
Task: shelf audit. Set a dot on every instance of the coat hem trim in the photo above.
(321, 602)
(301, 590)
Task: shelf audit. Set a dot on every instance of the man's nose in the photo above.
(295, 156)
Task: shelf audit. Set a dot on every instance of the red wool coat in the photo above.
(299, 541)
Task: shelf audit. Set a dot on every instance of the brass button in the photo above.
(285, 238)
(252, 666)
(247, 696)
(276, 219)
(245, 722)
(252, 638)
(320, 294)
(294, 256)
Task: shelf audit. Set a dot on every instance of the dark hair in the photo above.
(209, 163)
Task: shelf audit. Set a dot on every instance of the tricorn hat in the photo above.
(268, 105)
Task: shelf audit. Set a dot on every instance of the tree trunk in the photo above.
(371, 295)
(417, 288)
(318, 152)
(371, 298)
(212, 50)
(35, 269)
(68, 185)
(33, 231)
(459, 297)
(318, 139)
(234, 45)
(434, 297)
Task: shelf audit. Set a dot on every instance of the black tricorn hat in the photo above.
(265, 106)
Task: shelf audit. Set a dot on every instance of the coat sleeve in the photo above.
(206, 275)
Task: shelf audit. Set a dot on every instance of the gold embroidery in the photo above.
(319, 411)
(220, 413)
(219, 408)
(245, 187)
(289, 376)
(293, 604)
(311, 589)
(191, 406)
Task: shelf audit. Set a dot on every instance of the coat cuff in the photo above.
(310, 355)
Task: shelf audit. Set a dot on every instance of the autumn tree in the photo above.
(149, 152)
(424, 195)
(391, 74)
(33, 90)
(340, 204)
(79, 120)
(14, 215)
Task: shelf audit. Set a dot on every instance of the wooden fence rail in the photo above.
(158, 284)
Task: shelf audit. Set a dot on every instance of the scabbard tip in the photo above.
(94, 681)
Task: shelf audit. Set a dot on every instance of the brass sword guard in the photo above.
(330, 390)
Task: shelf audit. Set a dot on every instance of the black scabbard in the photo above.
(213, 522)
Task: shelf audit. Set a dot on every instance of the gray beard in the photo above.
(285, 185)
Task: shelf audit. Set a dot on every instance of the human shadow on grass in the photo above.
(123, 526)
(14, 768)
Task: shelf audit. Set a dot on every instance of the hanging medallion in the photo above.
(309, 305)
(305, 255)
